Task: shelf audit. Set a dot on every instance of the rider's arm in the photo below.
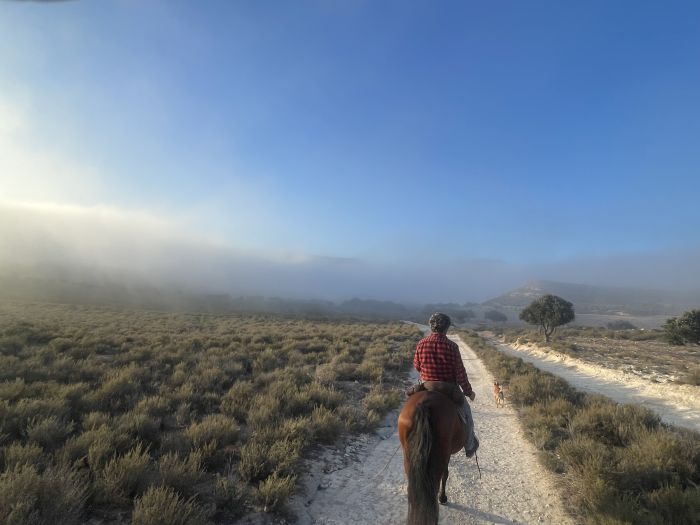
(462, 379)
(416, 358)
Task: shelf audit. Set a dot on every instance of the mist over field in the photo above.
(102, 243)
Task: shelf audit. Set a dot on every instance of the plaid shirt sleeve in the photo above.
(462, 379)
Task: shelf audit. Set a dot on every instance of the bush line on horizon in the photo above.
(178, 418)
(619, 464)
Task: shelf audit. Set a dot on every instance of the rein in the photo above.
(387, 463)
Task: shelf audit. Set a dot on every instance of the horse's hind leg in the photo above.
(443, 497)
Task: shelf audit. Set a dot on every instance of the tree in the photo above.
(463, 315)
(548, 312)
(495, 316)
(684, 329)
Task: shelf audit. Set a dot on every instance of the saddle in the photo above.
(451, 390)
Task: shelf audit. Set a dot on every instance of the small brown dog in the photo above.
(498, 394)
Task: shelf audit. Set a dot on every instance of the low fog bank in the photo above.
(110, 249)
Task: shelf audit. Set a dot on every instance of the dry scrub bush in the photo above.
(226, 496)
(656, 459)
(273, 493)
(673, 505)
(262, 456)
(612, 424)
(531, 388)
(94, 420)
(30, 498)
(124, 477)
(237, 401)
(217, 428)
(96, 444)
(18, 454)
(163, 506)
(181, 473)
(139, 426)
(381, 401)
(48, 432)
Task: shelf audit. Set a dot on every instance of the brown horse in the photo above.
(430, 432)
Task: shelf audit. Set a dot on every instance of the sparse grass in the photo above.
(138, 411)
(619, 464)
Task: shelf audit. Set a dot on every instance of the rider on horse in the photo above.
(440, 364)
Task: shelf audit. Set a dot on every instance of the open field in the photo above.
(143, 417)
(644, 353)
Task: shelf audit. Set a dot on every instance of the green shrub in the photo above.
(163, 506)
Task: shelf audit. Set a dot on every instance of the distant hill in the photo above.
(600, 299)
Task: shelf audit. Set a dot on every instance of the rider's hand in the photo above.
(472, 395)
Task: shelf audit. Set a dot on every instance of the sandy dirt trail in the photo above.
(676, 404)
(364, 482)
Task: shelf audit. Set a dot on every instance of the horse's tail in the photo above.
(422, 482)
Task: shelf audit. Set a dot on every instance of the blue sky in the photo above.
(519, 132)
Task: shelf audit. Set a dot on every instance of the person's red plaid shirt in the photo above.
(438, 359)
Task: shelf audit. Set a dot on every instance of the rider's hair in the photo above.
(439, 322)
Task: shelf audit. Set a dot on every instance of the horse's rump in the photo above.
(429, 430)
